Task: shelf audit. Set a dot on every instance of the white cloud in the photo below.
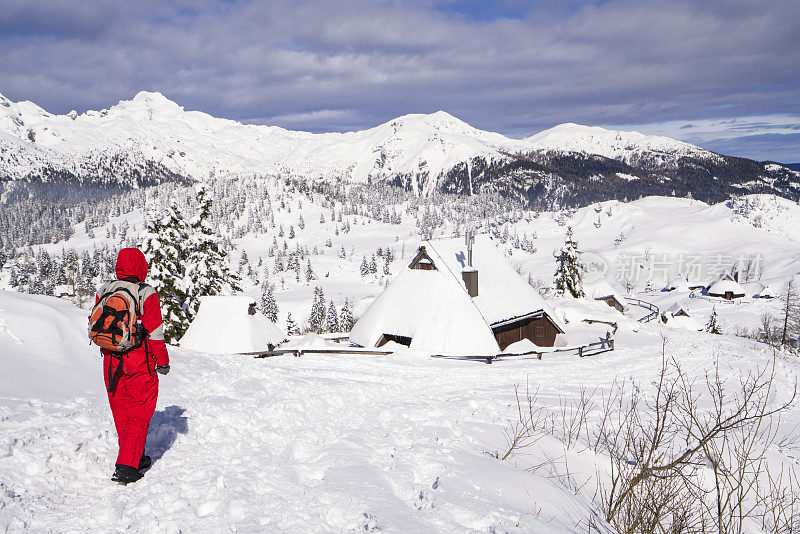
(355, 63)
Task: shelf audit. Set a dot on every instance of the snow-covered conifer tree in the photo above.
(310, 272)
(332, 318)
(268, 305)
(164, 247)
(291, 326)
(206, 268)
(345, 318)
(569, 272)
(712, 326)
(316, 321)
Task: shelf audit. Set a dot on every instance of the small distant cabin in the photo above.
(766, 292)
(64, 291)
(726, 287)
(458, 298)
(676, 310)
(679, 283)
(603, 290)
(677, 316)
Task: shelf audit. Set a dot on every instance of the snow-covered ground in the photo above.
(399, 443)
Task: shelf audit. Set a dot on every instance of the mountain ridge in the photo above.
(150, 139)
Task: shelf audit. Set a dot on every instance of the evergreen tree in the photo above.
(268, 305)
(712, 327)
(316, 321)
(332, 318)
(207, 268)
(310, 272)
(373, 266)
(164, 244)
(364, 267)
(568, 276)
(345, 318)
(291, 326)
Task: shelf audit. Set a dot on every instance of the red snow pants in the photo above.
(133, 403)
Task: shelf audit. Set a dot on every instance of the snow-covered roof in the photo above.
(224, 326)
(602, 288)
(676, 307)
(682, 321)
(767, 290)
(502, 293)
(429, 307)
(63, 289)
(722, 286)
(680, 283)
(433, 308)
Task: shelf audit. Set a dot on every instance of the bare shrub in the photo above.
(664, 448)
(688, 454)
(531, 424)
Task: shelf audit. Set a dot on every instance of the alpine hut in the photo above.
(457, 296)
(603, 290)
(766, 292)
(725, 287)
(677, 315)
(678, 283)
(230, 324)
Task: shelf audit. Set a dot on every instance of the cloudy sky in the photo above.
(724, 74)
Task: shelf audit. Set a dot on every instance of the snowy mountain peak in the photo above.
(148, 102)
(150, 138)
(614, 144)
(439, 120)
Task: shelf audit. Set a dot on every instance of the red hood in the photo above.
(131, 262)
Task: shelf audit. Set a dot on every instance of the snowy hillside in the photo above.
(316, 444)
(398, 443)
(150, 139)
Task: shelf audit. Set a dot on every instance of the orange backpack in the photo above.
(115, 322)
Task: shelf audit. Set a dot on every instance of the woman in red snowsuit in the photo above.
(133, 398)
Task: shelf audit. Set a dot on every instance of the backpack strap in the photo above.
(114, 378)
(144, 292)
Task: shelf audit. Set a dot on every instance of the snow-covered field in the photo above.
(401, 443)
(398, 443)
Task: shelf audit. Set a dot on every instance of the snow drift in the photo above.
(44, 348)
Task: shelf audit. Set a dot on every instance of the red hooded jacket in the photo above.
(131, 263)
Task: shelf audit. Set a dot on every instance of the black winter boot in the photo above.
(125, 474)
(145, 462)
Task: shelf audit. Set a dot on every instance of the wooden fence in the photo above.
(302, 352)
(654, 311)
(590, 349)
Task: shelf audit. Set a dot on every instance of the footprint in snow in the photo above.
(4, 330)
